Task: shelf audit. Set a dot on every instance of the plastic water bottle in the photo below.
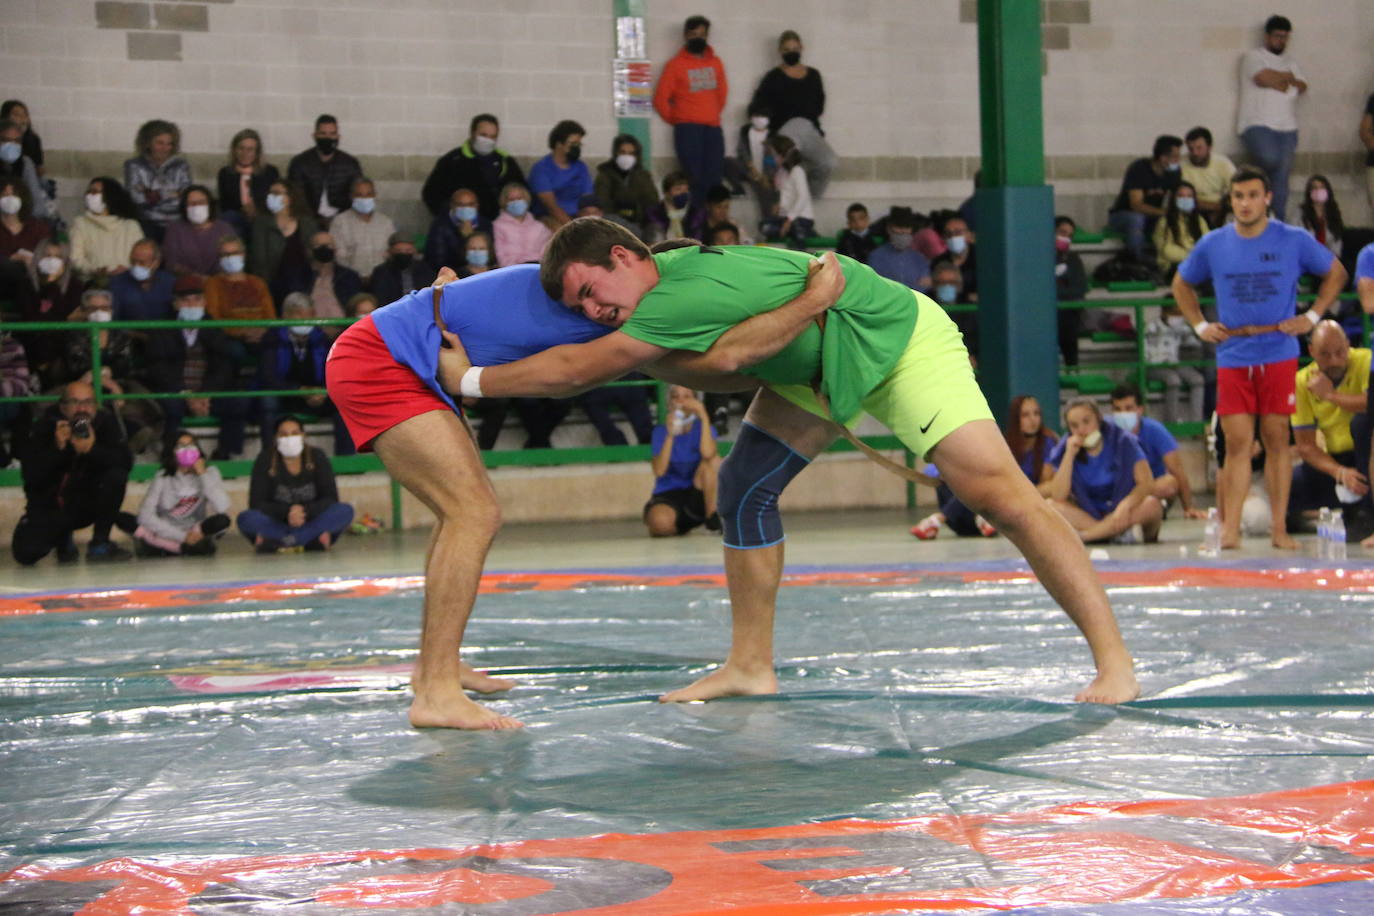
(1337, 537)
(1324, 534)
(1211, 534)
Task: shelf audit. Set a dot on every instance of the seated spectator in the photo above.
(16, 381)
(477, 165)
(144, 291)
(961, 251)
(1144, 187)
(717, 208)
(947, 288)
(54, 291)
(401, 272)
(198, 360)
(20, 235)
(724, 234)
(1321, 215)
(235, 295)
(449, 231)
(102, 236)
(17, 167)
(360, 232)
(185, 509)
(685, 461)
(293, 500)
(1165, 334)
(753, 162)
(794, 95)
(244, 182)
(633, 401)
(795, 219)
(192, 242)
(116, 347)
(1070, 285)
(293, 358)
(856, 240)
(324, 173)
(477, 258)
(518, 236)
(560, 178)
(1331, 399)
(157, 175)
(1177, 233)
(362, 305)
(896, 259)
(625, 186)
(75, 469)
(1030, 441)
(30, 144)
(674, 217)
(331, 284)
(1160, 448)
(1209, 173)
(279, 256)
(1101, 481)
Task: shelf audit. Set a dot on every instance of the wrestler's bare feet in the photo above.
(482, 682)
(1284, 542)
(1230, 542)
(726, 681)
(442, 709)
(1116, 686)
(1368, 543)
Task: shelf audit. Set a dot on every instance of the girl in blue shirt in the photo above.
(1102, 481)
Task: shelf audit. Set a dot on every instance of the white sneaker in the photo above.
(1132, 535)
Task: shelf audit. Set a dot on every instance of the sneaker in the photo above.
(985, 527)
(67, 552)
(108, 552)
(713, 522)
(267, 546)
(1132, 535)
(927, 529)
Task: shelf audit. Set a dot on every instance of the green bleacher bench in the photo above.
(1068, 381)
(1111, 337)
(1154, 384)
(1084, 237)
(825, 242)
(1131, 286)
(1092, 383)
(191, 422)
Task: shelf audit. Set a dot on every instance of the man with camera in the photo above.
(75, 471)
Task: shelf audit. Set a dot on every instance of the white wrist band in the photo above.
(1312, 316)
(1201, 327)
(471, 384)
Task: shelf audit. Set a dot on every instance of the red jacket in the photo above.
(691, 89)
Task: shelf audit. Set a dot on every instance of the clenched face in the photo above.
(609, 297)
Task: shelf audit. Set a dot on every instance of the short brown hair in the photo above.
(586, 240)
(1250, 173)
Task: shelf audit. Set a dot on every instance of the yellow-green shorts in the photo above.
(929, 394)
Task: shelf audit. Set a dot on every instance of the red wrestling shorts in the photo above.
(1258, 390)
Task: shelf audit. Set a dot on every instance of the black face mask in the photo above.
(402, 261)
(696, 45)
(324, 254)
(574, 153)
(791, 58)
(326, 145)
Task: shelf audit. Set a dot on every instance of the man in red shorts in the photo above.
(1255, 264)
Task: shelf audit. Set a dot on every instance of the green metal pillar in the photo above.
(635, 127)
(1015, 214)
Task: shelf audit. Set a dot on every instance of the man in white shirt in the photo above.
(1270, 83)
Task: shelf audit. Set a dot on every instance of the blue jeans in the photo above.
(1134, 227)
(701, 153)
(1273, 151)
(334, 520)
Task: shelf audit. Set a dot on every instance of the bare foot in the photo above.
(1284, 542)
(482, 682)
(725, 681)
(1110, 687)
(326, 540)
(442, 709)
(1230, 542)
(1368, 543)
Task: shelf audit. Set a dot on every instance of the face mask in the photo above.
(10, 204)
(946, 292)
(1061, 243)
(1172, 167)
(517, 208)
(625, 162)
(574, 153)
(187, 456)
(95, 203)
(326, 145)
(1177, 322)
(276, 202)
(464, 214)
(291, 446)
(1187, 204)
(478, 257)
(1092, 439)
(49, 266)
(402, 261)
(861, 233)
(191, 312)
(364, 205)
(791, 58)
(100, 316)
(956, 243)
(1126, 419)
(900, 240)
(198, 213)
(1320, 195)
(231, 263)
(681, 200)
(696, 45)
(140, 273)
(483, 146)
(324, 254)
(10, 152)
(302, 330)
(759, 122)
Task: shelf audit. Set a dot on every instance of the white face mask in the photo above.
(1092, 439)
(1126, 419)
(956, 243)
(95, 203)
(198, 213)
(231, 263)
(10, 204)
(625, 162)
(100, 316)
(302, 330)
(759, 122)
(276, 202)
(49, 266)
(191, 312)
(483, 145)
(364, 205)
(291, 446)
(140, 273)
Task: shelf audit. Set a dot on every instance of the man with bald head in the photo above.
(75, 470)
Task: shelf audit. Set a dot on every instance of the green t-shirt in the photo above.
(703, 292)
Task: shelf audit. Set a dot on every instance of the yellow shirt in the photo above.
(1330, 419)
(1211, 181)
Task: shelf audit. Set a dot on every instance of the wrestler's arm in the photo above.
(676, 368)
(564, 371)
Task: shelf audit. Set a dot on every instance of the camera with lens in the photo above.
(81, 428)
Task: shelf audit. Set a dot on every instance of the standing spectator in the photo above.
(75, 469)
(477, 165)
(144, 291)
(235, 295)
(1367, 138)
(186, 507)
(690, 96)
(856, 240)
(279, 255)
(293, 500)
(449, 231)
(20, 234)
(561, 177)
(54, 292)
(685, 461)
(624, 185)
(1070, 285)
(675, 216)
(1270, 83)
(794, 94)
(753, 160)
(1144, 187)
(1160, 448)
(896, 259)
(331, 285)
(1255, 263)
(325, 173)
(518, 236)
(15, 166)
(293, 358)
(477, 257)
(360, 232)
(102, 236)
(1102, 483)
(31, 144)
(401, 272)
(245, 181)
(157, 175)
(1321, 215)
(192, 242)
(1209, 173)
(1177, 233)
(1165, 333)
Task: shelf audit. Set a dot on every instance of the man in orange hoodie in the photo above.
(690, 96)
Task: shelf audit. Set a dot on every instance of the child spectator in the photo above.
(1165, 333)
(1177, 233)
(675, 217)
(795, 219)
(1070, 285)
(855, 239)
(1102, 481)
(293, 500)
(724, 234)
(685, 461)
(184, 510)
(477, 257)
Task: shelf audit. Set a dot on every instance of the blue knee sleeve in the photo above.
(751, 477)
